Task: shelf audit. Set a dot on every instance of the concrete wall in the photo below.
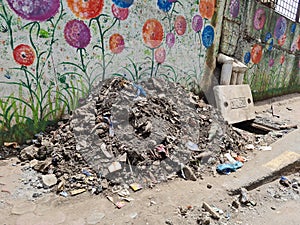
(267, 43)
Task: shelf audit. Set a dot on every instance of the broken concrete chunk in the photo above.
(29, 153)
(49, 180)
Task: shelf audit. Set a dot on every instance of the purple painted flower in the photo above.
(77, 34)
(234, 8)
(271, 62)
(170, 40)
(280, 27)
(35, 10)
(259, 19)
(197, 23)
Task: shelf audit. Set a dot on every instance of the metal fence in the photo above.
(288, 8)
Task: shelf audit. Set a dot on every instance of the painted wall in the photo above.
(267, 43)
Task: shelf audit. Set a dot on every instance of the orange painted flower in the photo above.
(256, 53)
(24, 55)
(180, 25)
(282, 58)
(282, 40)
(153, 33)
(86, 9)
(116, 43)
(207, 8)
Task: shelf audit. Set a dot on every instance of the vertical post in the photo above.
(298, 12)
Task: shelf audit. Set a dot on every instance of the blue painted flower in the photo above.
(268, 36)
(123, 3)
(247, 57)
(293, 28)
(280, 27)
(270, 44)
(164, 5)
(208, 36)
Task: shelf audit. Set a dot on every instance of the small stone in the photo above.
(273, 208)
(188, 173)
(33, 163)
(29, 153)
(235, 204)
(49, 180)
(209, 186)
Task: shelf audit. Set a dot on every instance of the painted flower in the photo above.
(271, 62)
(119, 13)
(170, 40)
(160, 55)
(123, 3)
(234, 8)
(282, 58)
(197, 23)
(270, 44)
(35, 10)
(298, 43)
(153, 33)
(280, 27)
(259, 19)
(268, 36)
(24, 55)
(247, 57)
(180, 25)
(116, 43)
(164, 5)
(256, 53)
(293, 28)
(207, 8)
(208, 36)
(282, 40)
(86, 9)
(77, 34)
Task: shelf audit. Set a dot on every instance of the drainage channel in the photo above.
(252, 127)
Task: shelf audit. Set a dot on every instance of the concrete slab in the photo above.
(235, 102)
(267, 166)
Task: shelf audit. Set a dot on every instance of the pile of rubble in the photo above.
(134, 135)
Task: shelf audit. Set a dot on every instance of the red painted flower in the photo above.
(282, 40)
(24, 55)
(298, 43)
(160, 55)
(207, 8)
(153, 33)
(116, 43)
(282, 58)
(180, 25)
(256, 53)
(119, 13)
(86, 9)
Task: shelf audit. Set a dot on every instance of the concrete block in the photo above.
(235, 102)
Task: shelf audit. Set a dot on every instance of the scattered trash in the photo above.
(284, 181)
(209, 209)
(265, 148)
(64, 194)
(133, 215)
(139, 90)
(230, 159)
(227, 168)
(136, 187)
(240, 158)
(87, 173)
(188, 174)
(250, 147)
(192, 146)
(77, 191)
(120, 204)
(115, 166)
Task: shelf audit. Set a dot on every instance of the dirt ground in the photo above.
(174, 202)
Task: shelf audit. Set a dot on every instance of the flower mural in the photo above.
(77, 34)
(180, 25)
(164, 5)
(86, 9)
(282, 40)
(280, 27)
(152, 33)
(271, 62)
(234, 8)
(35, 10)
(116, 43)
(259, 19)
(207, 8)
(24, 55)
(170, 39)
(119, 13)
(282, 59)
(123, 3)
(256, 53)
(208, 36)
(197, 23)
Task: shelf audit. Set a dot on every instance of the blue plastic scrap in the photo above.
(227, 168)
(139, 90)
